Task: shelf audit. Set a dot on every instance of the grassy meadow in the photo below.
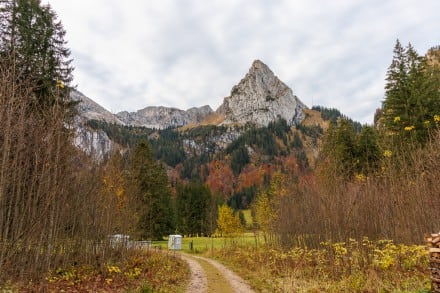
(353, 266)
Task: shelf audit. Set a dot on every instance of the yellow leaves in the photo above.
(134, 273)
(340, 249)
(120, 191)
(416, 255)
(409, 128)
(341, 267)
(436, 118)
(387, 153)
(113, 269)
(62, 275)
(113, 187)
(228, 224)
(385, 255)
(396, 119)
(361, 177)
(60, 84)
(265, 213)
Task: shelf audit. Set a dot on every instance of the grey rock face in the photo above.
(163, 117)
(91, 110)
(94, 143)
(213, 144)
(260, 98)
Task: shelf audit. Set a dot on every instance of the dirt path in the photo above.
(208, 275)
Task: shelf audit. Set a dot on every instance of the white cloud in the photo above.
(184, 53)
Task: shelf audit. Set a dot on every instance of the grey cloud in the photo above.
(189, 53)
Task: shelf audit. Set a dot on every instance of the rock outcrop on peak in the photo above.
(259, 98)
(163, 117)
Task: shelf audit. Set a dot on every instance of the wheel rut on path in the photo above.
(210, 276)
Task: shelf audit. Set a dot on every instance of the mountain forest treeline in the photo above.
(328, 179)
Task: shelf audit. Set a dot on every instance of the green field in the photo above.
(248, 218)
(204, 244)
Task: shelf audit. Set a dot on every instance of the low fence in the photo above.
(130, 244)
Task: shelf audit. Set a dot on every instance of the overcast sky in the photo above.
(184, 53)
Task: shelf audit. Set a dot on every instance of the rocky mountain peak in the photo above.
(258, 65)
(261, 97)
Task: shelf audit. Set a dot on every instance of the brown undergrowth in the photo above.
(141, 271)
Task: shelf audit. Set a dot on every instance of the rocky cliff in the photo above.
(260, 97)
(163, 117)
(94, 143)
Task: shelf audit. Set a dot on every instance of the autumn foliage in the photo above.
(221, 179)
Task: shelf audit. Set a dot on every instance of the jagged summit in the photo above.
(260, 97)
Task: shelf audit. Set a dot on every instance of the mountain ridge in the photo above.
(259, 98)
(160, 117)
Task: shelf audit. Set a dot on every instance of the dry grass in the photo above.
(313, 118)
(364, 266)
(211, 119)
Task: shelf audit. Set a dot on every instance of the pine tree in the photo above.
(345, 153)
(193, 209)
(239, 159)
(337, 158)
(33, 39)
(412, 96)
(152, 188)
(367, 151)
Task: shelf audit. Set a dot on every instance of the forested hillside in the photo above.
(234, 161)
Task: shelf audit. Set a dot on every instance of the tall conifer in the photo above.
(33, 38)
(151, 186)
(412, 96)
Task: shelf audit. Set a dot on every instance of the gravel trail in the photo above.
(208, 275)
